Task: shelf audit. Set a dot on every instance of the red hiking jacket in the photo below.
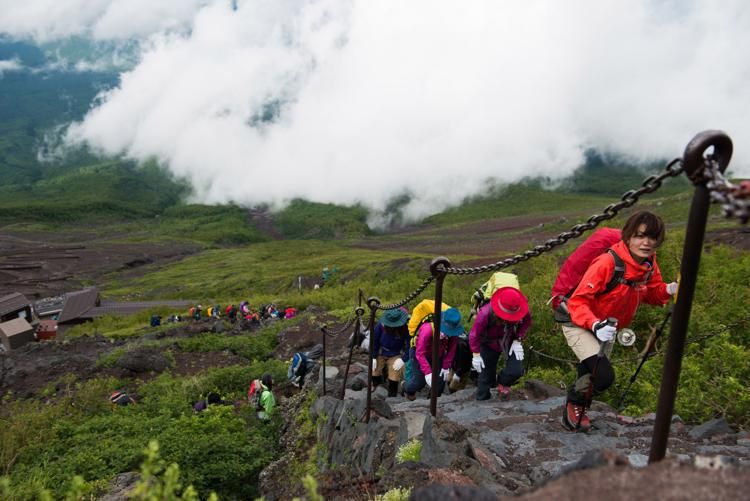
(587, 304)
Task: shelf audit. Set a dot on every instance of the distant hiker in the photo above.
(591, 305)
(290, 313)
(195, 312)
(174, 319)
(214, 311)
(302, 363)
(421, 355)
(390, 349)
(498, 329)
(120, 398)
(155, 320)
(260, 396)
(211, 399)
(231, 313)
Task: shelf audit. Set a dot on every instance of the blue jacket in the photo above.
(387, 344)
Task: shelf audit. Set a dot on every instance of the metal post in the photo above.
(437, 268)
(357, 325)
(323, 331)
(373, 303)
(694, 164)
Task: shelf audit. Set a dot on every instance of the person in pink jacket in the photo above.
(499, 328)
(421, 355)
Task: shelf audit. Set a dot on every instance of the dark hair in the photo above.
(213, 398)
(267, 381)
(654, 226)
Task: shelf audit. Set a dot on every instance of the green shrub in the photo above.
(410, 451)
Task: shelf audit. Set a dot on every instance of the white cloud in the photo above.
(45, 20)
(378, 97)
(9, 65)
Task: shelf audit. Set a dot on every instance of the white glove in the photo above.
(444, 374)
(428, 380)
(604, 332)
(672, 288)
(516, 348)
(477, 362)
(398, 364)
(374, 364)
(456, 379)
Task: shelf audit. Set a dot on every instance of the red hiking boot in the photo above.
(503, 392)
(571, 415)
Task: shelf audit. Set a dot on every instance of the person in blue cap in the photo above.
(421, 361)
(390, 348)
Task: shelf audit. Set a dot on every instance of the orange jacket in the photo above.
(588, 304)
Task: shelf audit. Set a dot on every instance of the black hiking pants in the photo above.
(605, 376)
(488, 378)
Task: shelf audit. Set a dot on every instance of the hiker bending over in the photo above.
(421, 355)
(390, 349)
(499, 328)
(590, 306)
(211, 399)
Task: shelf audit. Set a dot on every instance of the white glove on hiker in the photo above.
(374, 364)
(477, 363)
(672, 288)
(428, 380)
(444, 374)
(604, 332)
(516, 348)
(398, 364)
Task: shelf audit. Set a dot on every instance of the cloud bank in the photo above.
(9, 65)
(357, 102)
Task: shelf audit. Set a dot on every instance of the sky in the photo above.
(261, 102)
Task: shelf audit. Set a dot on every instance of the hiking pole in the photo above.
(651, 345)
(590, 390)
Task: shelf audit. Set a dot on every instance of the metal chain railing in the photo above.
(734, 199)
(409, 298)
(337, 332)
(629, 198)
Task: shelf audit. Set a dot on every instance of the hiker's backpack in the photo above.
(290, 313)
(298, 369)
(483, 294)
(420, 315)
(254, 393)
(120, 398)
(578, 262)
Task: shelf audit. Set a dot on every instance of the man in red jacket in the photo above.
(590, 307)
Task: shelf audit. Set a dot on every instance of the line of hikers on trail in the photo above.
(232, 313)
(597, 293)
(259, 396)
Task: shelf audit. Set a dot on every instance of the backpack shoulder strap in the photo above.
(618, 274)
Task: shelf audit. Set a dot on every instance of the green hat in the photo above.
(396, 317)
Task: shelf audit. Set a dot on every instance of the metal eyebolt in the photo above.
(694, 160)
(439, 265)
(359, 311)
(373, 302)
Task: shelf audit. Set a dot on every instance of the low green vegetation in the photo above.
(410, 451)
(75, 431)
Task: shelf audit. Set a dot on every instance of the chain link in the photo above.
(734, 199)
(335, 333)
(411, 297)
(628, 199)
